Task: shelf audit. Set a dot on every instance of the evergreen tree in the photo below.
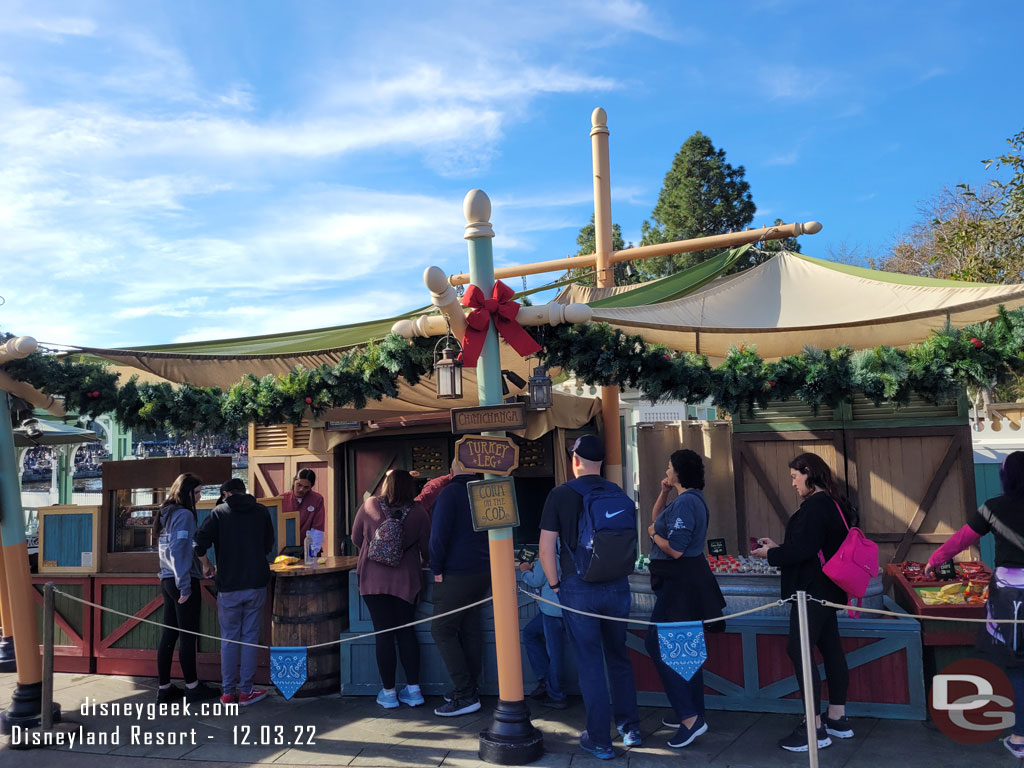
(702, 195)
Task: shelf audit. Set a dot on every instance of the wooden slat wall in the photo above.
(713, 442)
(893, 473)
(761, 456)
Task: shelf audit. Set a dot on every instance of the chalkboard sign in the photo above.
(946, 571)
(716, 547)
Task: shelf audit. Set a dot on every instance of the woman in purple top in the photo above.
(390, 591)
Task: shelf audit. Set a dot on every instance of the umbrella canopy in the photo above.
(52, 433)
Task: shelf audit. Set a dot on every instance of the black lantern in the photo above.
(540, 389)
(448, 371)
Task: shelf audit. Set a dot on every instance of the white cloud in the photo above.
(784, 158)
(791, 83)
(50, 27)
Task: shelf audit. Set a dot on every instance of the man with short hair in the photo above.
(242, 534)
(596, 642)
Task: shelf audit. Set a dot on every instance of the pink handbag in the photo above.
(853, 565)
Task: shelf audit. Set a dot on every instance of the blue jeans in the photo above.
(686, 697)
(544, 639)
(240, 613)
(597, 642)
(1016, 676)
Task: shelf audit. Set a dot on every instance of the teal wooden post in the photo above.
(26, 702)
(511, 738)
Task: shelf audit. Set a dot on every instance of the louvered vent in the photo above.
(270, 438)
(919, 408)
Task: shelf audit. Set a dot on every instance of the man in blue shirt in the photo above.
(596, 642)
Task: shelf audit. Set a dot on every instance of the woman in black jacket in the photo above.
(813, 534)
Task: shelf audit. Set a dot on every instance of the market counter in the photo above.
(311, 606)
(747, 667)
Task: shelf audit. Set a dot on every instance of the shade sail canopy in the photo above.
(53, 433)
(793, 301)
(667, 288)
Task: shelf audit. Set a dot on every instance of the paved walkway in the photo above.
(354, 731)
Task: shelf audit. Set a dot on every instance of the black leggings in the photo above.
(179, 616)
(388, 611)
(823, 629)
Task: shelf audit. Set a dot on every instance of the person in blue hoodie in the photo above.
(460, 563)
(180, 572)
(544, 639)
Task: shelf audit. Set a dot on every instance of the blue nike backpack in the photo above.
(606, 545)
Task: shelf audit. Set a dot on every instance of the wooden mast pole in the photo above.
(605, 276)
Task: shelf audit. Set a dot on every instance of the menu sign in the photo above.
(494, 455)
(493, 503)
(716, 547)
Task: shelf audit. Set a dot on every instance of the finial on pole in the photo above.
(598, 121)
(477, 209)
(17, 348)
(807, 228)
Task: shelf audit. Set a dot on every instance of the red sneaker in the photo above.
(256, 694)
(229, 698)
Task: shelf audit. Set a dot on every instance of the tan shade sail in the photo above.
(793, 301)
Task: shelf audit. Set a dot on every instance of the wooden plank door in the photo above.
(913, 486)
(765, 498)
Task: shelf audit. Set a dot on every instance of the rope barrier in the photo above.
(641, 622)
(880, 612)
(268, 647)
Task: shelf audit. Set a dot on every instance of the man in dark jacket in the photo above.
(242, 534)
(460, 563)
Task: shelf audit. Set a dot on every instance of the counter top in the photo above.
(334, 564)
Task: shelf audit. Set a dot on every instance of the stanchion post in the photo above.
(511, 739)
(805, 665)
(48, 657)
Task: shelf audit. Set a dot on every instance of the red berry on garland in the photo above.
(309, 400)
(666, 357)
(771, 384)
(978, 343)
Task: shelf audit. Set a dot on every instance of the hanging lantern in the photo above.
(448, 371)
(540, 389)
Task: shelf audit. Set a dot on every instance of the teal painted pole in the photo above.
(477, 208)
(511, 738)
(25, 709)
(12, 527)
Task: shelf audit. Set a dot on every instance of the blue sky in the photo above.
(175, 171)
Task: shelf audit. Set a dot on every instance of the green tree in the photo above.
(586, 241)
(702, 195)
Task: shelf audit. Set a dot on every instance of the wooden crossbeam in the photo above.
(762, 479)
(952, 452)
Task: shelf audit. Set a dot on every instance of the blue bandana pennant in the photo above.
(288, 669)
(682, 646)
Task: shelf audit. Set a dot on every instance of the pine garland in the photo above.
(950, 359)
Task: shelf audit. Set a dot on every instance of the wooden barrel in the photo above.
(311, 609)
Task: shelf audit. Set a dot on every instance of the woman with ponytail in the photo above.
(180, 572)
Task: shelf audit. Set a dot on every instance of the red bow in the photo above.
(503, 310)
